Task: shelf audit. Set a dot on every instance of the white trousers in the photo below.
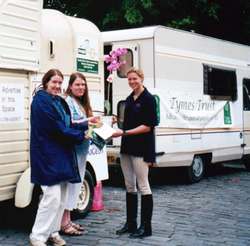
(74, 189)
(135, 170)
(50, 211)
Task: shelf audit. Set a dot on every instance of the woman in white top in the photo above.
(78, 100)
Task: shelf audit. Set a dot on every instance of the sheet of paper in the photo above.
(105, 131)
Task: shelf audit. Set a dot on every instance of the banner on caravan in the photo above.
(182, 110)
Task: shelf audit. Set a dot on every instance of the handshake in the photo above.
(95, 122)
(100, 130)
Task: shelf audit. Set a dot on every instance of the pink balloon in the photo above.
(107, 58)
(113, 59)
(109, 67)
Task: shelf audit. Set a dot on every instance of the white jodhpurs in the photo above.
(135, 170)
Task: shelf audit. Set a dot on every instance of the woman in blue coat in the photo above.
(52, 156)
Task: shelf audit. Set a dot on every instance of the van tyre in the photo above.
(247, 165)
(85, 197)
(246, 162)
(195, 172)
(25, 217)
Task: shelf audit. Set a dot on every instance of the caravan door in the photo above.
(246, 115)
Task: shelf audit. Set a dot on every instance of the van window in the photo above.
(128, 58)
(246, 94)
(220, 84)
(120, 113)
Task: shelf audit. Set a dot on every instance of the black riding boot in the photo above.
(145, 228)
(131, 222)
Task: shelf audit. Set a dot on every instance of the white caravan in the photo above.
(32, 41)
(202, 86)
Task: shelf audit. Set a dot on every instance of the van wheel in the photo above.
(85, 197)
(32, 208)
(247, 163)
(27, 214)
(195, 172)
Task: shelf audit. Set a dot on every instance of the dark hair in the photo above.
(46, 78)
(83, 100)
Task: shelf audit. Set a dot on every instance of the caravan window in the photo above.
(128, 58)
(246, 94)
(220, 83)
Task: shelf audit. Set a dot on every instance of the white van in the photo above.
(32, 41)
(202, 87)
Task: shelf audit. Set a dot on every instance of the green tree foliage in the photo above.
(224, 19)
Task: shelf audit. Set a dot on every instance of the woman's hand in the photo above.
(117, 133)
(114, 120)
(94, 119)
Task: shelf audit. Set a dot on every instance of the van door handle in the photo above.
(160, 153)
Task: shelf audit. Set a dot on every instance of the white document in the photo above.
(105, 131)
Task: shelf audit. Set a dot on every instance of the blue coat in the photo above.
(52, 141)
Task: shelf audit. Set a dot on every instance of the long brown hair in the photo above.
(83, 100)
(46, 78)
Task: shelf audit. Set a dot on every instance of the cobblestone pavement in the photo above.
(215, 211)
